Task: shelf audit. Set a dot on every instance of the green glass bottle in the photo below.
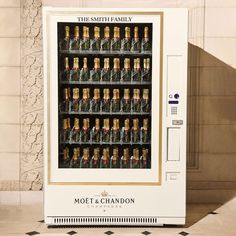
(136, 101)
(115, 72)
(115, 131)
(144, 160)
(75, 42)
(85, 132)
(95, 74)
(85, 42)
(65, 43)
(146, 73)
(115, 101)
(126, 102)
(106, 131)
(125, 160)
(115, 42)
(75, 101)
(85, 162)
(95, 161)
(106, 100)
(76, 131)
(84, 75)
(146, 101)
(106, 72)
(65, 106)
(135, 131)
(136, 72)
(65, 162)
(135, 161)
(126, 132)
(96, 131)
(146, 44)
(66, 72)
(105, 160)
(75, 72)
(145, 131)
(85, 102)
(75, 160)
(126, 71)
(135, 46)
(66, 130)
(126, 41)
(96, 100)
(96, 41)
(114, 161)
(106, 42)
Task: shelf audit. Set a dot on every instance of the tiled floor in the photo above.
(202, 220)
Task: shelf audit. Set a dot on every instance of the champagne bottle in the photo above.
(106, 72)
(136, 101)
(146, 44)
(135, 161)
(136, 72)
(66, 130)
(106, 42)
(114, 162)
(85, 132)
(75, 101)
(84, 75)
(85, 44)
(75, 160)
(106, 131)
(95, 74)
(126, 71)
(115, 131)
(96, 131)
(95, 161)
(146, 75)
(84, 162)
(115, 101)
(135, 47)
(96, 100)
(66, 102)
(145, 131)
(65, 43)
(85, 102)
(96, 41)
(145, 101)
(135, 131)
(75, 72)
(126, 102)
(124, 161)
(115, 42)
(66, 72)
(144, 160)
(76, 131)
(106, 100)
(115, 72)
(65, 163)
(126, 132)
(105, 160)
(75, 42)
(126, 42)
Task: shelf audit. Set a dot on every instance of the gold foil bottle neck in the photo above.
(76, 124)
(116, 94)
(96, 93)
(86, 153)
(66, 93)
(136, 94)
(68, 123)
(127, 124)
(67, 31)
(65, 124)
(66, 153)
(127, 64)
(106, 63)
(75, 154)
(106, 124)
(76, 32)
(116, 62)
(145, 94)
(115, 153)
(148, 63)
(116, 32)
(106, 94)
(126, 154)
(97, 124)
(146, 33)
(144, 153)
(96, 32)
(107, 32)
(96, 153)
(66, 63)
(96, 63)
(145, 124)
(106, 154)
(116, 125)
(127, 33)
(138, 63)
(75, 93)
(126, 94)
(76, 63)
(85, 93)
(135, 124)
(136, 33)
(86, 123)
(136, 154)
(85, 32)
(85, 63)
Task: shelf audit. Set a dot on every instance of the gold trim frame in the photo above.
(158, 183)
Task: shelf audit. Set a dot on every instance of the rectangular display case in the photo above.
(115, 116)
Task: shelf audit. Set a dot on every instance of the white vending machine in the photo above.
(115, 90)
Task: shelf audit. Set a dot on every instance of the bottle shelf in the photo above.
(108, 83)
(119, 113)
(105, 53)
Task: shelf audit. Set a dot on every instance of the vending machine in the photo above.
(115, 85)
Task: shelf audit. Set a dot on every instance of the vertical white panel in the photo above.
(173, 152)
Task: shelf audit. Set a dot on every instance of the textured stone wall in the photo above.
(31, 163)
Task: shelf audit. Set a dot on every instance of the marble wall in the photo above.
(211, 94)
